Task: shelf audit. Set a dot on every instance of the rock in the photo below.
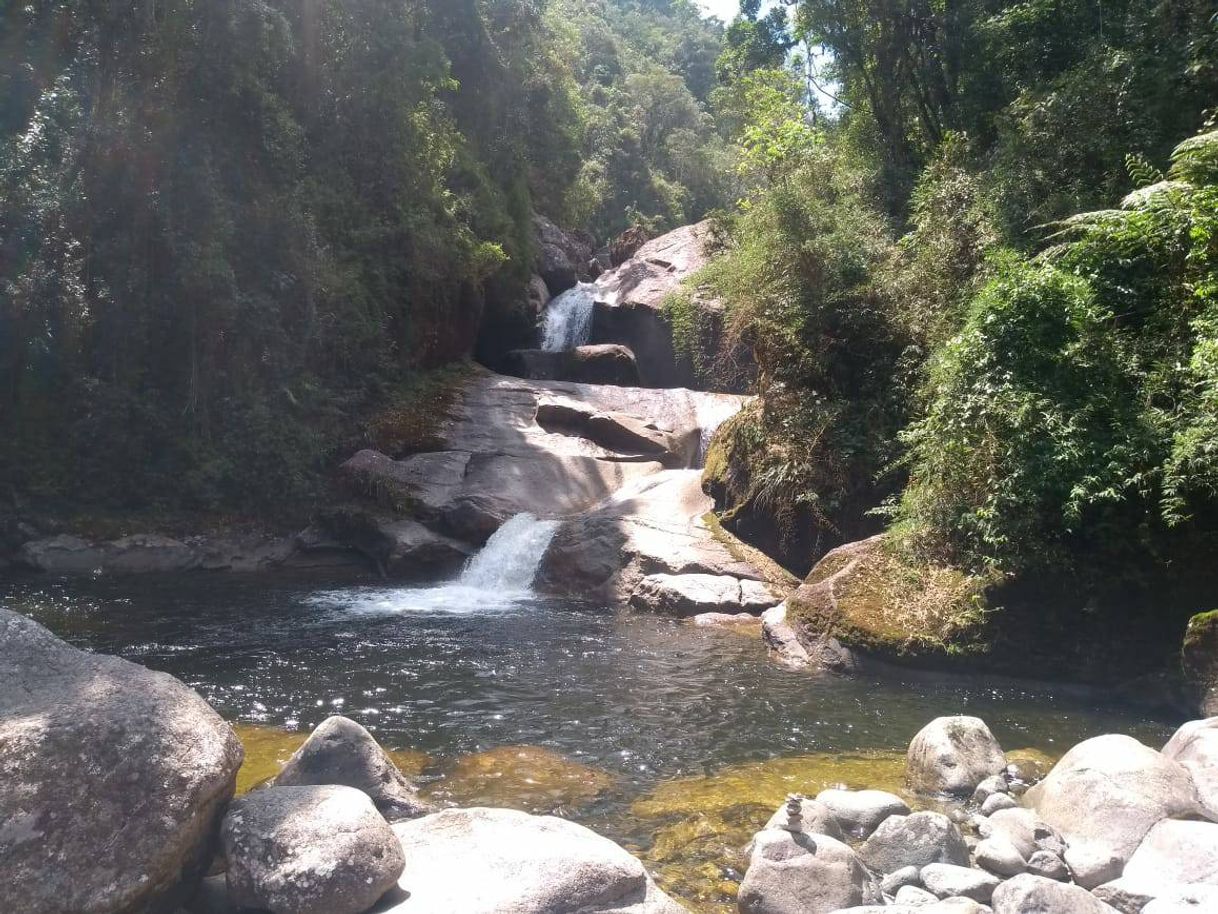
(562, 257)
(499, 861)
(946, 881)
(1021, 827)
(1000, 857)
(1028, 765)
(995, 784)
(917, 840)
(996, 803)
(309, 850)
(1033, 895)
(1195, 747)
(600, 364)
(625, 434)
(342, 752)
(1049, 865)
(402, 548)
(688, 595)
(740, 621)
(1199, 660)
(1188, 899)
(211, 897)
(1104, 796)
(804, 874)
(898, 879)
(953, 755)
(1127, 895)
(537, 296)
(62, 554)
(814, 819)
(782, 638)
(139, 554)
(113, 778)
(860, 812)
(1177, 851)
(912, 895)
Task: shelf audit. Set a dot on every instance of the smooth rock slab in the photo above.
(1028, 894)
(309, 850)
(953, 755)
(916, 840)
(804, 874)
(946, 881)
(112, 778)
(340, 751)
(860, 812)
(500, 861)
(1104, 796)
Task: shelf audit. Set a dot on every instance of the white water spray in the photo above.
(509, 560)
(568, 319)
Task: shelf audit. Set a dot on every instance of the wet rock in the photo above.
(309, 850)
(537, 296)
(1195, 747)
(1177, 851)
(1028, 894)
(996, 803)
(212, 897)
(1199, 660)
(999, 856)
(917, 840)
(804, 874)
(688, 595)
(952, 755)
(860, 812)
(342, 752)
(499, 861)
(946, 881)
(740, 621)
(1049, 865)
(782, 638)
(995, 784)
(112, 778)
(1104, 796)
(402, 548)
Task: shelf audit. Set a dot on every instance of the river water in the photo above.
(663, 735)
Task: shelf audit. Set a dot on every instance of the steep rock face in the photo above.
(563, 258)
(112, 779)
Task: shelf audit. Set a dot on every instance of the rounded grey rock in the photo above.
(860, 812)
(1029, 894)
(952, 755)
(915, 840)
(1000, 857)
(997, 802)
(947, 881)
(801, 874)
(1049, 865)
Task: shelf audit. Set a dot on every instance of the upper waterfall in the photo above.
(568, 319)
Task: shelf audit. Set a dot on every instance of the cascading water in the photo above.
(711, 414)
(568, 319)
(499, 577)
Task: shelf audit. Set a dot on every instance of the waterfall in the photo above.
(509, 560)
(712, 412)
(568, 319)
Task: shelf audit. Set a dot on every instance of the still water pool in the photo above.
(676, 741)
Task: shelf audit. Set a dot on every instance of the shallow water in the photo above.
(651, 707)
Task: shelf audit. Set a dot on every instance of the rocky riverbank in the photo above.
(118, 797)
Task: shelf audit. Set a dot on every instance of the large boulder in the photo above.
(594, 364)
(1199, 659)
(689, 595)
(563, 258)
(340, 751)
(113, 779)
(917, 840)
(1195, 747)
(952, 755)
(499, 861)
(1028, 894)
(804, 874)
(1185, 899)
(398, 547)
(811, 818)
(1176, 851)
(309, 850)
(137, 554)
(1104, 796)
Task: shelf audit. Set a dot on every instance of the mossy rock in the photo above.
(529, 778)
(1199, 660)
(871, 598)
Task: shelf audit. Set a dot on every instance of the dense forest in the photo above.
(973, 247)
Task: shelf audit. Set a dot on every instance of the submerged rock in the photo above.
(499, 861)
(309, 850)
(342, 752)
(1104, 796)
(804, 874)
(112, 778)
(530, 778)
(953, 755)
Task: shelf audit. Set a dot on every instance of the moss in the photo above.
(1202, 628)
(528, 778)
(268, 749)
(741, 551)
(413, 416)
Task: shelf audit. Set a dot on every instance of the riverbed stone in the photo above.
(1029, 894)
(1049, 865)
(1028, 765)
(917, 840)
(1104, 796)
(814, 819)
(113, 779)
(994, 784)
(952, 755)
(898, 879)
(500, 861)
(1195, 747)
(860, 812)
(1128, 896)
(804, 874)
(946, 880)
(1177, 851)
(309, 850)
(686, 595)
(914, 895)
(340, 751)
(998, 802)
(998, 855)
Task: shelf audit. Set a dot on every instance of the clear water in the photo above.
(568, 319)
(459, 669)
